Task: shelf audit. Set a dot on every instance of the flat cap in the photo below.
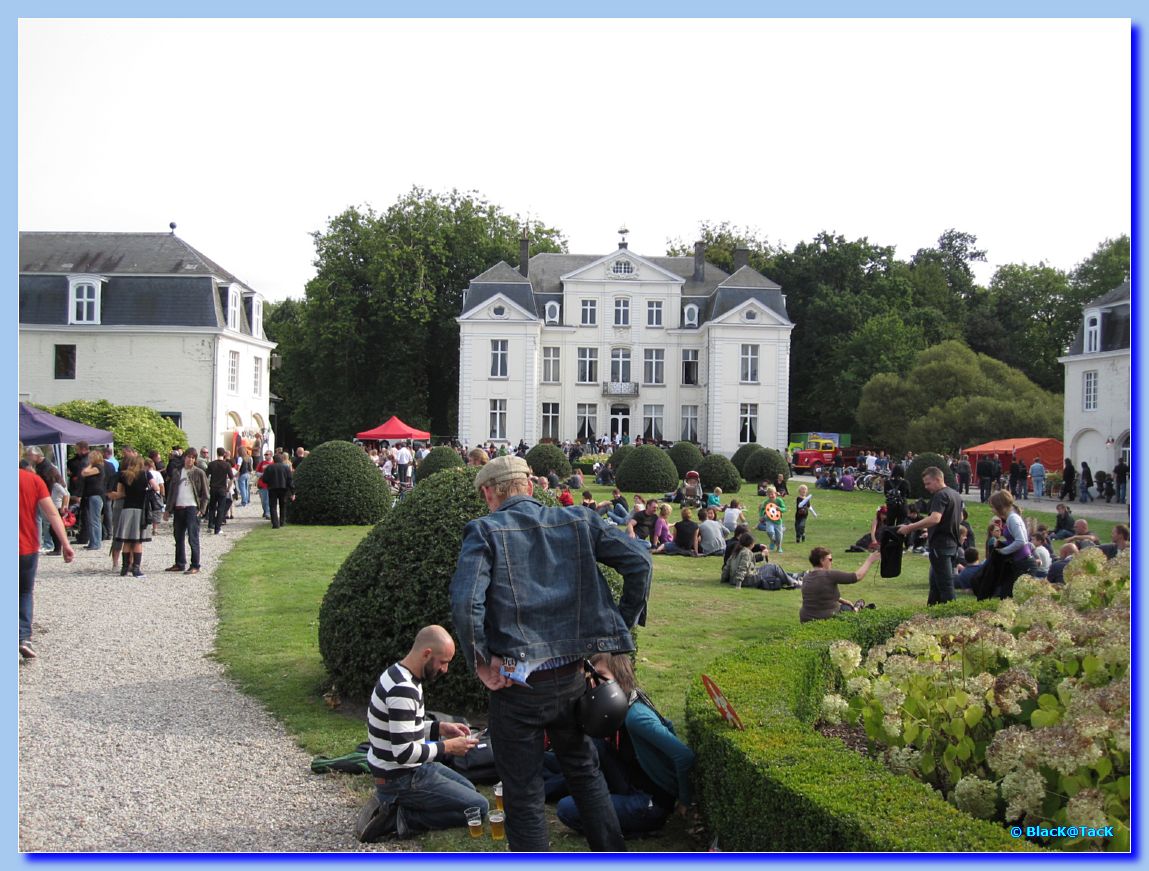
(501, 469)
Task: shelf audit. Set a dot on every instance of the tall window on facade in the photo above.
(652, 422)
(85, 307)
(257, 377)
(498, 358)
(653, 366)
(622, 312)
(586, 421)
(232, 309)
(1092, 334)
(233, 371)
(690, 366)
(1089, 390)
(65, 362)
(749, 364)
(589, 312)
(551, 365)
(654, 313)
(620, 364)
(690, 423)
(498, 419)
(747, 423)
(587, 365)
(256, 317)
(551, 420)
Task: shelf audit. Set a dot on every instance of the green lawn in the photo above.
(271, 584)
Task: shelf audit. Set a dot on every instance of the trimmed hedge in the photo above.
(922, 462)
(542, 458)
(397, 581)
(620, 454)
(647, 469)
(440, 458)
(766, 465)
(717, 471)
(781, 786)
(338, 485)
(743, 454)
(685, 456)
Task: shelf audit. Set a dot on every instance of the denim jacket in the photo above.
(527, 585)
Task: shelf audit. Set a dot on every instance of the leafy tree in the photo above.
(376, 334)
(1101, 271)
(954, 253)
(952, 398)
(143, 428)
(721, 240)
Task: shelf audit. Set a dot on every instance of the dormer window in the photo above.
(84, 299)
(1092, 332)
(256, 317)
(552, 313)
(622, 267)
(232, 308)
(690, 315)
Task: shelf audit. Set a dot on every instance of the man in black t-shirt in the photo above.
(219, 475)
(944, 525)
(641, 523)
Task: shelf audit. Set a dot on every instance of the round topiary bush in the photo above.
(765, 465)
(620, 454)
(440, 458)
(743, 454)
(686, 456)
(647, 469)
(922, 462)
(338, 485)
(717, 471)
(543, 458)
(397, 581)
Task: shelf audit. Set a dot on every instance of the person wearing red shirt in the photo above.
(34, 495)
(262, 487)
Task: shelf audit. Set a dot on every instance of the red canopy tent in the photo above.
(393, 430)
(1051, 451)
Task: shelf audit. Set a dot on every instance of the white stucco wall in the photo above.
(1087, 431)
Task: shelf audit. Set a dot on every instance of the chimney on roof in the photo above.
(699, 261)
(524, 252)
(741, 258)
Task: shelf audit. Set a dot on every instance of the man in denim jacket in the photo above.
(529, 604)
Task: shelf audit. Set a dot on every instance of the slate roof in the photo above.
(1115, 314)
(152, 279)
(717, 293)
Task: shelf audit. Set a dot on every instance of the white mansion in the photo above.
(668, 348)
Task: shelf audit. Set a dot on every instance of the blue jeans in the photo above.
(1039, 486)
(432, 797)
(1121, 490)
(244, 484)
(941, 576)
(95, 507)
(185, 522)
(773, 530)
(263, 501)
(637, 813)
(1084, 494)
(518, 718)
(28, 562)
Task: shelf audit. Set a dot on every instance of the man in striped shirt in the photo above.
(405, 749)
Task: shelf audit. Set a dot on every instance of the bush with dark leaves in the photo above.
(338, 485)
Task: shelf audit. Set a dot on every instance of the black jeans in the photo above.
(185, 522)
(217, 507)
(518, 718)
(941, 576)
(277, 496)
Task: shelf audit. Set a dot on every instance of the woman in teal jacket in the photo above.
(646, 766)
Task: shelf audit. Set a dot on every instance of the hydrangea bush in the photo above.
(1020, 715)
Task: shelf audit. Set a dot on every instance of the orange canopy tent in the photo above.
(1051, 452)
(393, 430)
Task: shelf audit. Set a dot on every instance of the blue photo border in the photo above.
(587, 9)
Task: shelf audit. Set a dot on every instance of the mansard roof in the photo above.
(1115, 316)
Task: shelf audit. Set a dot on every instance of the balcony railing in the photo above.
(620, 388)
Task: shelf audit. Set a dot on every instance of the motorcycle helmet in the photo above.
(602, 709)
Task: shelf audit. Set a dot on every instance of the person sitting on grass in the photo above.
(662, 534)
(714, 499)
(588, 500)
(966, 569)
(616, 509)
(740, 566)
(646, 766)
(733, 515)
(1119, 541)
(712, 533)
(686, 536)
(732, 543)
(870, 540)
(820, 596)
(642, 520)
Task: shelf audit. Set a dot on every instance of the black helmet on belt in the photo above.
(602, 708)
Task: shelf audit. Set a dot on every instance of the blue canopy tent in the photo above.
(38, 427)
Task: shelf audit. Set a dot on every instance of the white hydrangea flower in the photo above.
(976, 797)
(892, 726)
(1087, 808)
(903, 760)
(857, 686)
(834, 708)
(846, 655)
(1024, 793)
(889, 695)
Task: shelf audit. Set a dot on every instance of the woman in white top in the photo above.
(1042, 555)
(733, 515)
(60, 498)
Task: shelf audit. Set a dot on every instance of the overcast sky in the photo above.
(251, 134)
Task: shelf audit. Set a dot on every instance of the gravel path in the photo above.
(132, 739)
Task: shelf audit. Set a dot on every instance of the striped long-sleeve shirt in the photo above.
(395, 724)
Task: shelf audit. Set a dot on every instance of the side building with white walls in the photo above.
(574, 346)
(143, 319)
